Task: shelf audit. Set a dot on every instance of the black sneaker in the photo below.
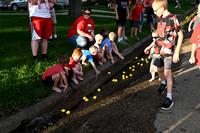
(45, 58)
(35, 58)
(162, 88)
(167, 104)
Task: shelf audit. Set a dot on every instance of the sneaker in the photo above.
(50, 37)
(125, 38)
(45, 58)
(122, 42)
(35, 58)
(55, 36)
(167, 104)
(162, 88)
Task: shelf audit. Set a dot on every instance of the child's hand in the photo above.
(146, 51)
(97, 72)
(112, 61)
(149, 57)
(176, 58)
(65, 88)
(90, 38)
(192, 60)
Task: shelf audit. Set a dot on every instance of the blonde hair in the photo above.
(160, 3)
(98, 36)
(112, 34)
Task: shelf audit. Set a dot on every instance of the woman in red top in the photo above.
(81, 34)
(135, 16)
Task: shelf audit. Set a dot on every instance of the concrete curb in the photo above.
(12, 122)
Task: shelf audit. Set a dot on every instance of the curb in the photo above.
(12, 122)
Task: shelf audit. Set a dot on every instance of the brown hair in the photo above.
(77, 52)
(160, 3)
(64, 59)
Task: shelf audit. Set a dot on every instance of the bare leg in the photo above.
(152, 77)
(54, 29)
(132, 29)
(74, 78)
(119, 32)
(34, 47)
(56, 78)
(44, 45)
(115, 50)
(79, 68)
(161, 73)
(123, 32)
(168, 75)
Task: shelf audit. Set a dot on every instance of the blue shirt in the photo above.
(106, 41)
(89, 56)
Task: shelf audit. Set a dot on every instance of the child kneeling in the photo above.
(55, 75)
(87, 56)
(108, 45)
(75, 65)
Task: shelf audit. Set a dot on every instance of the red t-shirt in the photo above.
(195, 38)
(85, 25)
(136, 12)
(167, 29)
(72, 63)
(52, 70)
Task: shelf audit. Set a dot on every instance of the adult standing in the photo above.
(122, 13)
(41, 27)
(81, 34)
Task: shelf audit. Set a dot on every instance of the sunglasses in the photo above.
(87, 13)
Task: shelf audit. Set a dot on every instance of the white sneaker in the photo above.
(50, 37)
(125, 38)
(55, 36)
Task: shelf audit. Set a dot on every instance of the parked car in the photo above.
(18, 4)
(3, 5)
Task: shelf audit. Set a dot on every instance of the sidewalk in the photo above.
(89, 83)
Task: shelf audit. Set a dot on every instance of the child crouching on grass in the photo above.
(87, 56)
(75, 65)
(108, 45)
(55, 75)
(99, 56)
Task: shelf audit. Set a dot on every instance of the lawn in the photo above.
(20, 76)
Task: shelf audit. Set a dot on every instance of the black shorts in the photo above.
(134, 23)
(48, 81)
(121, 22)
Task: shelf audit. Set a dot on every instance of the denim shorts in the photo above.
(81, 42)
(78, 41)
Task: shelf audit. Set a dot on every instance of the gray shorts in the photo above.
(53, 16)
(160, 61)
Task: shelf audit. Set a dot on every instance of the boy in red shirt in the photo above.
(75, 65)
(167, 30)
(195, 40)
(55, 75)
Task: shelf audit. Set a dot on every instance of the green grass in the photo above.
(20, 76)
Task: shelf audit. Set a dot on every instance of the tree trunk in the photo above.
(89, 2)
(75, 8)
